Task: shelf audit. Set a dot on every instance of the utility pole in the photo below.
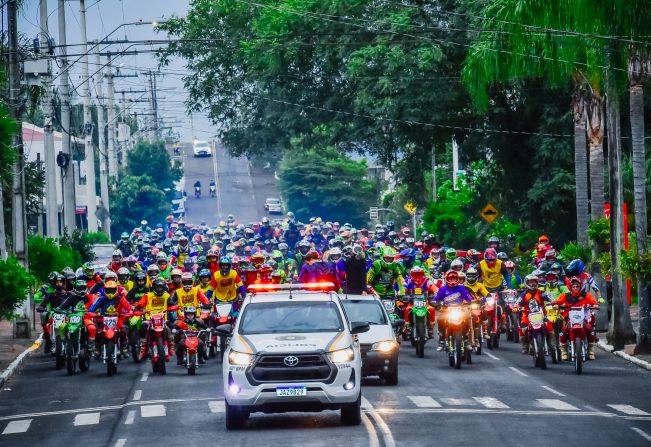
(51, 205)
(19, 228)
(112, 159)
(155, 99)
(91, 192)
(434, 196)
(104, 211)
(152, 107)
(69, 205)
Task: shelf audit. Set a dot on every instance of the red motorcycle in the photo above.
(493, 313)
(157, 340)
(191, 349)
(109, 339)
(578, 319)
(512, 301)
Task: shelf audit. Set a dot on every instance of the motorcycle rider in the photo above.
(52, 300)
(189, 322)
(197, 188)
(124, 244)
(187, 295)
(452, 293)
(116, 261)
(139, 288)
(124, 279)
(213, 188)
(227, 284)
(577, 297)
(80, 299)
(153, 302)
(163, 265)
(384, 275)
(204, 278)
(534, 299)
(420, 285)
(479, 292)
(175, 280)
(112, 300)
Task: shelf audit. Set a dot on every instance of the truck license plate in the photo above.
(291, 391)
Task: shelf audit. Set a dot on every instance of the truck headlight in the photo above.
(240, 358)
(384, 346)
(342, 355)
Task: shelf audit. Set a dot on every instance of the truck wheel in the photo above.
(351, 414)
(235, 417)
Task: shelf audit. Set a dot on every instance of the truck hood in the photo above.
(286, 343)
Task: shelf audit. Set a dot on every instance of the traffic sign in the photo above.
(410, 207)
(489, 213)
(374, 213)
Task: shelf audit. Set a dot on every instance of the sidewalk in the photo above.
(643, 360)
(11, 348)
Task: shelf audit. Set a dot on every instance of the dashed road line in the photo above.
(458, 402)
(642, 433)
(137, 395)
(120, 442)
(152, 411)
(86, 419)
(628, 409)
(20, 426)
(144, 377)
(553, 391)
(490, 402)
(491, 355)
(517, 371)
(131, 416)
(556, 404)
(424, 401)
(217, 406)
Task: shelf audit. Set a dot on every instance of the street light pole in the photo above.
(103, 169)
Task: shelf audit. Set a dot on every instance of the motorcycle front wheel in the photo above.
(540, 351)
(578, 356)
(71, 358)
(58, 352)
(458, 351)
(160, 347)
(110, 349)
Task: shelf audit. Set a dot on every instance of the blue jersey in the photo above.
(453, 295)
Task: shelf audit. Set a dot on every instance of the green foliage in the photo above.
(153, 161)
(14, 282)
(449, 219)
(81, 242)
(604, 261)
(135, 199)
(97, 237)
(45, 255)
(322, 182)
(599, 231)
(574, 250)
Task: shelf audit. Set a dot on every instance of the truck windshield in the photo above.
(292, 317)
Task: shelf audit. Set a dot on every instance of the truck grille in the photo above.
(310, 367)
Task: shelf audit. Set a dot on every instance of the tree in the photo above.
(152, 160)
(46, 255)
(14, 282)
(137, 198)
(322, 182)
(7, 157)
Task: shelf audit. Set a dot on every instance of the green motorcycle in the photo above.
(418, 317)
(76, 341)
(58, 347)
(134, 324)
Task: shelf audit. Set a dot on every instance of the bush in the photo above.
(599, 231)
(45, 256)
(574, 250)
(97, 238)
(80, 242)
(14, 281)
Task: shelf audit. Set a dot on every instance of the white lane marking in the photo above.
(424, 401)
(491, 355)
(387, 437)
(86, 419)
(553, 391)
(17, 427)
(120, 442)
(628, 409)
(137, 395)
(131, 415)
(458, 402)
(642, 433)
(516, 370)
(490, 402)
(536, 413)
(217, 406)
(152, 411)
(144, 377)
(372, 433)
(556, 404)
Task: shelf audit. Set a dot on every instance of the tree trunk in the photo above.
(580, 169)
(620, 330)
(596, 139)
(636, 74)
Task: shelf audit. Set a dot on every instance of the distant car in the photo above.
(103, 254)
(273, 206)
(201, 149)
(378, 346)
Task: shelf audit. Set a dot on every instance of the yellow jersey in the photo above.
(225, 286)
(491, 276)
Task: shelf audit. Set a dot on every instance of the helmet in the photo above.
(502, 256)
(183, 241)
(79, 285)
(265, 220)
(190, 312)
(551, 276)
(124, 235)
(89, 270)
(161, 256)
(123, 274)
(176, 272)
(493, 241)
(456, 265)
(117, 256)
(110, 276)
(416, 272)
(257, 259)
(551, 253)
(225, 264)
(509, 265)
(153, 270)
(204, 273)
(388, 256)
(472, 275)
(335, 254)
(312, 255)
(531, 282)
(575, 267)
(490, 255)
(159, 286)
(187, 281)
(543, 239)
(140, 276)
(266, 269)
(170, 218)
(111, 289)
(452, 278)
(450, 253)
(473, 254)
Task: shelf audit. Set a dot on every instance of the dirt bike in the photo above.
(134, 324)
(557, 323)
(197, 192)
(157, 341)
(512, 309)
(190, 349)
(213, 191)
(457, 345)
(493, 312)
(392, 307)
(223, 314)
(58, 348)
(537, 337)
(477, 327)
(578, 318)
(418, 318)
(109, 338)
(76, 342)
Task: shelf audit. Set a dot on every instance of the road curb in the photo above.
(13, 366)
(609, 348)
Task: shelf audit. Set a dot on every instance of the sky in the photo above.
(102, 18)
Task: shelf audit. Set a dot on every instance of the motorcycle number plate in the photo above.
(110, 322)
(536, 317)
(388, 305)
(75, 319)
(291, 391)
(418, 304)
(224, 309)
(58, 320)
(577, 316)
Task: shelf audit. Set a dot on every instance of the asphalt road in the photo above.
(241, 188)
(499, 400)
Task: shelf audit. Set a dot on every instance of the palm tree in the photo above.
(580, 163)
(596, 140)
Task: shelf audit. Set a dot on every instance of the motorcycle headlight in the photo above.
(240, 358)
(342, 355)
(384, 346)
(490, 301)
(455, 314)
(474, 306)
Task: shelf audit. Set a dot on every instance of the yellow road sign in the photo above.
(410, 208)
(489, 213)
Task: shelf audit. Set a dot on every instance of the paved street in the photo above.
(497, 401)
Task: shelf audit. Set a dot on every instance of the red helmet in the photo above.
(452, 278)
(417, 272)
(490, 255)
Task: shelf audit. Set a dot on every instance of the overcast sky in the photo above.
(104, 16)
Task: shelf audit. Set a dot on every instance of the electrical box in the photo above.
(33, 70)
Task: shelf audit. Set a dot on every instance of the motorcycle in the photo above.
(457, 345)
(493, 312)
(418, 316)
(158, 342)
(223, 314)
(213, 191)
(554, 318)
(58, 321)
(477, 327)
(197, 192)
(578, 335)
(134, 323)
(395, 312)
(191, 350)
(108, 336)
(537, 337)
(512, 309)
(76, 339)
